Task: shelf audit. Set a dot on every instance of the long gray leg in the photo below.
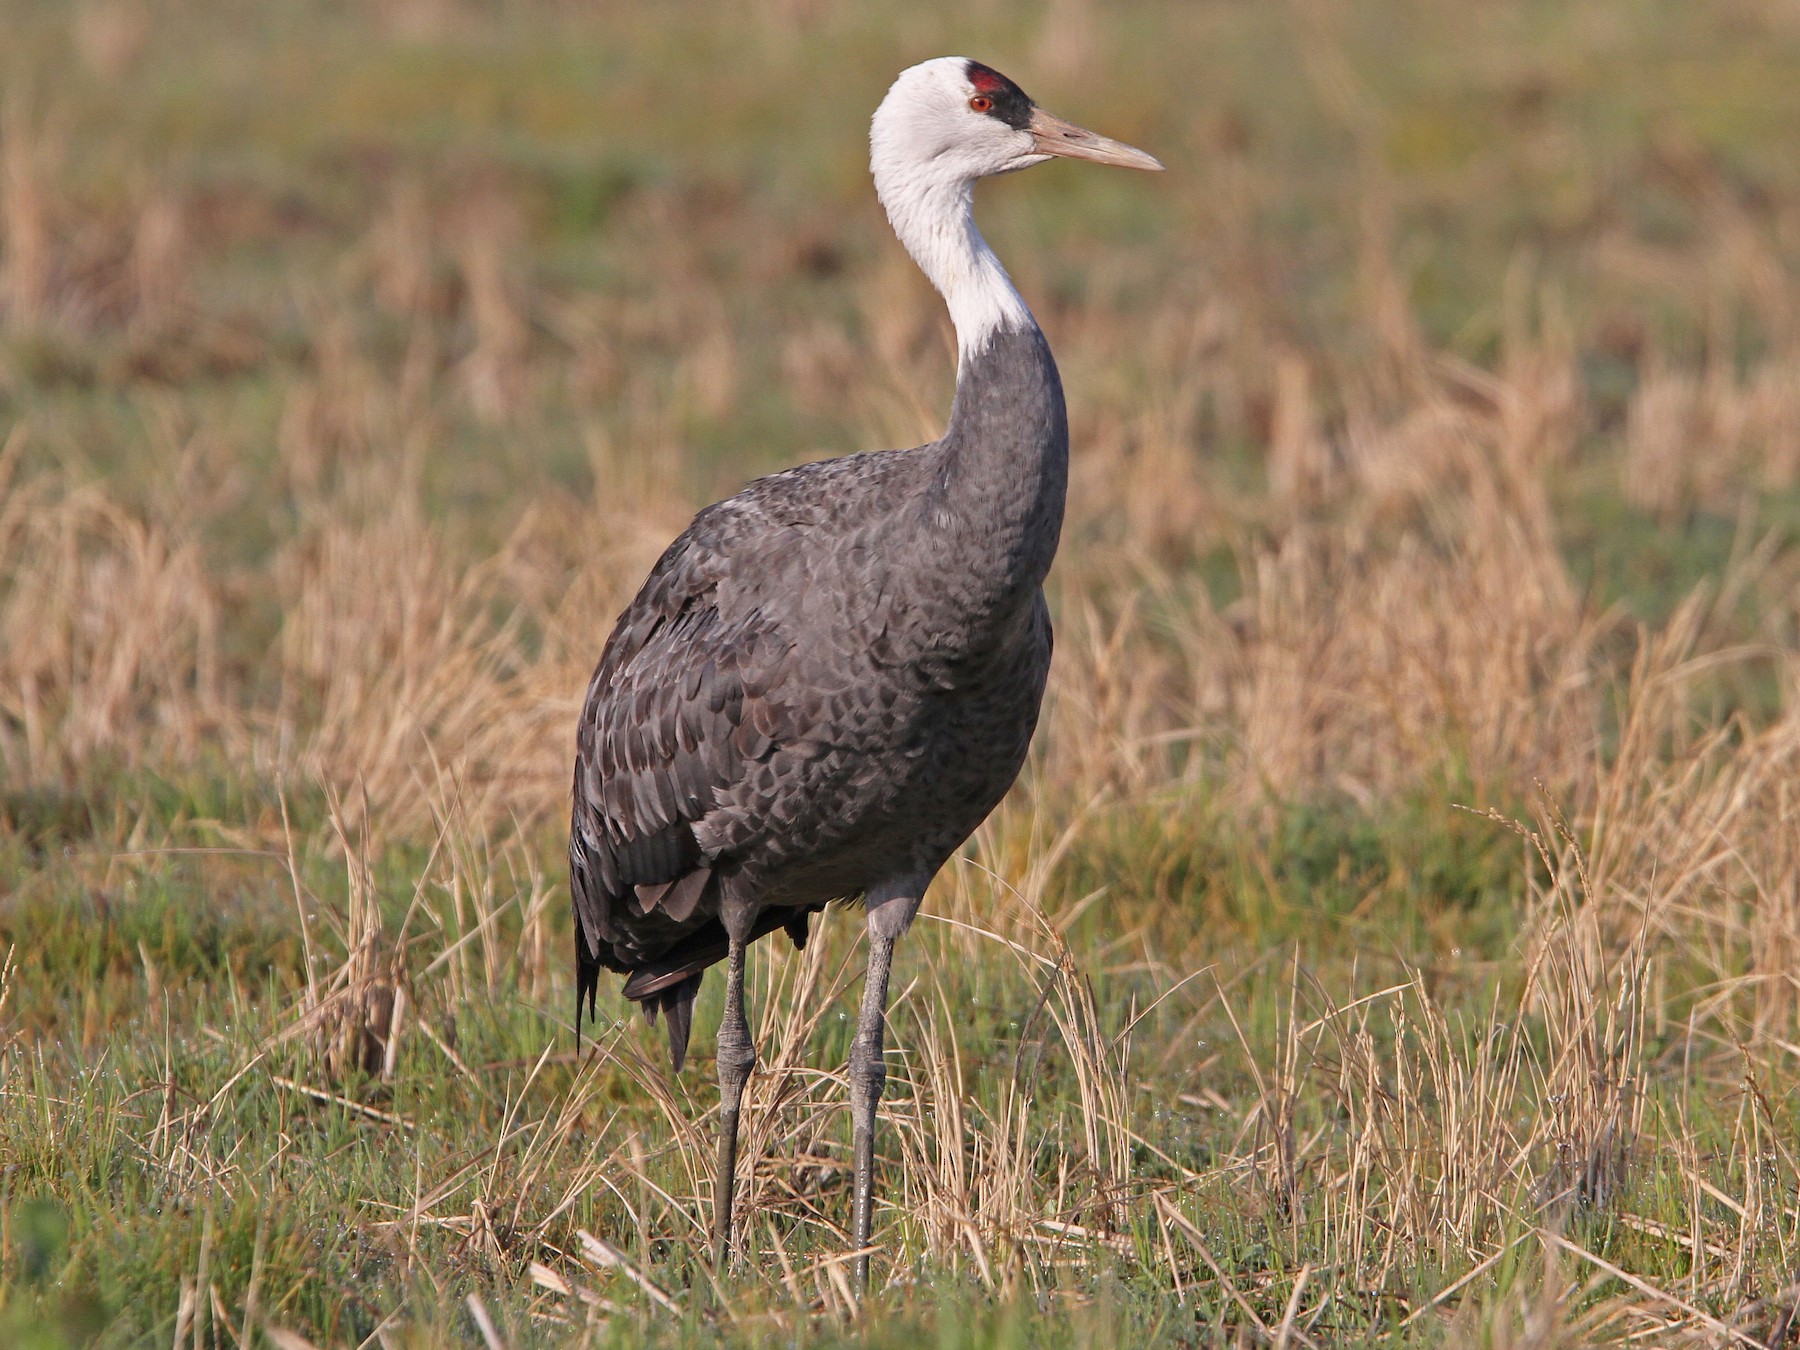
(868, 1075)
(737, 1057)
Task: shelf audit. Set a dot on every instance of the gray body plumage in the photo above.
(824, 686)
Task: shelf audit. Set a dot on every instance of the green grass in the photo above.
(145, 1120)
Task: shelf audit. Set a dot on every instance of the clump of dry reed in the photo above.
(1405, 605)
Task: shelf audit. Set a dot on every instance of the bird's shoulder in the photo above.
(846, 493)
(739, 556)
(702, 677)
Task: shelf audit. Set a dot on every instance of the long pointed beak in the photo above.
(1053, 136)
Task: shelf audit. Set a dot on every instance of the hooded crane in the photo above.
(829, 680)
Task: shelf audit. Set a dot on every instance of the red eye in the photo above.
(982, 103)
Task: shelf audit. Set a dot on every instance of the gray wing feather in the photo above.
(686, 706)
(708, 738)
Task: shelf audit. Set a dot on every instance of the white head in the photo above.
(944, 124)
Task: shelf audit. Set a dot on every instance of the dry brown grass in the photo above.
(1427, 620)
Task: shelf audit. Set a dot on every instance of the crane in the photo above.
(829, 680)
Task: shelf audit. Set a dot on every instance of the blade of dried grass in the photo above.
(354, 1107)
(1650, 1291)
(490, 1334)
(603, 1253)
(1198, 1241)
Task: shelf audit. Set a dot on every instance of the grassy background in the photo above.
(1393, 939)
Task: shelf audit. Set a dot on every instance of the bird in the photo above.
(830, 679)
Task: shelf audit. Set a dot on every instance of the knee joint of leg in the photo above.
(736, 1056)
(867, 1064)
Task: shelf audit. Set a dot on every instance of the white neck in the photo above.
(935, 219)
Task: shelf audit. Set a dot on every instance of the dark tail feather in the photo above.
(706, 947)
(587, 980)
(669, 983)
(677, 1003)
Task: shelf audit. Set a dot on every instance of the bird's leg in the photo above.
(736, 1058)
(868, 1075)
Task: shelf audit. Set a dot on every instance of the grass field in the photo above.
(1395, 938)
